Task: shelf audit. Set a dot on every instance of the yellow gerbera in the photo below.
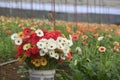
(20, 35)
(36, 62)
(21, 58)
(43, 61)
(26, 46)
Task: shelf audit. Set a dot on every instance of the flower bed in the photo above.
(95, 51)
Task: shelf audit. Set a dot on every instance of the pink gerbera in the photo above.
(102, 49)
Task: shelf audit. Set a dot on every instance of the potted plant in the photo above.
(42, 51)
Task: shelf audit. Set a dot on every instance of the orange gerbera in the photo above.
(68, 29)
(43, 61)
(8, 32)
(36, 62)
(21, 35)
(21, 58)
(79, 32)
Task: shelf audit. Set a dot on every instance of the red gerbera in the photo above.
(52, 34)
(20, 50)
(32, 51)
(27, 31)
(34, 38)
(69, 56)
(75, 37)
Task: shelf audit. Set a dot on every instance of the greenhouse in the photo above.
(59, 40)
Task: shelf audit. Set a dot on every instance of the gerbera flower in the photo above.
(18, 41)
(59, 46)
(63, 57)
(36, 62)
(95, 35)
(42, 53)
(66, 50)
(52, 53)
(34, 38)
(27, 31)
(56, 56)
(84, 37)
(14, 36)
(39, 33)
(21, 35)
(51, 44)
(43, 61)
(69, 56)
(26, 46)
(100, 38)
(78, 32)
(70, 43)
(78, 50)
(8, 32)
(59, 40)
(75, 37)
(21, 58)
(41, 45)
(116, 48)
(85, 43)
(102, 49)
(116, 43)
(45, 49)
(20, 25)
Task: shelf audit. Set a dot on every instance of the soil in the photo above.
(9, 72)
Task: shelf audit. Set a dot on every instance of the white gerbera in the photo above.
(41, 45)
(52, 53)
(43, 40)
(100, 38)
(59, 40)
(79, 50)
(51, 45)
(70, 43)
(42, 53)
(39, 33)
(18, 41)
(45, 49)
(66, 50)
(56, 56)
(63, 57)
(59, 46)
(14, 36)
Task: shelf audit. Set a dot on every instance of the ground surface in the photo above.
(9, 72)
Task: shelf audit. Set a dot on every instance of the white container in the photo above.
(42, 74)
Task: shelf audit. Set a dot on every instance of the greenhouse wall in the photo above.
(101, 11)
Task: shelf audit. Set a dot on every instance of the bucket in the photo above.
(42, 74)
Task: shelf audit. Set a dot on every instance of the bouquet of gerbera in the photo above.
(42, 49)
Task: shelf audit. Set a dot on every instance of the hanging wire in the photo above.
(87, 12)
(75, 13)
(81, 11)
(108, 17)
(16, 1)
(100, 11)
(9, 8)
(66, 10)
(95, 14)
(32, 9)
(53, 13)
(21, 9)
